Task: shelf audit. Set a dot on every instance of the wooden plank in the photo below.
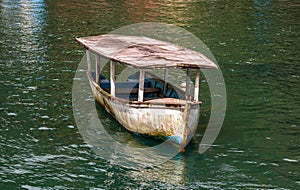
(112, 79)
(141, 85)
(142, 52)
(134, 90)
(197, 79)
(167, 101)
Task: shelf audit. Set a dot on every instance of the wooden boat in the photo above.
(145, 103)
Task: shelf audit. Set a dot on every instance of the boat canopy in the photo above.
(145, 53)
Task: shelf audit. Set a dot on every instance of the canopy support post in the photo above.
(141, 85)
(196, 92)
(166, 81)
(112, 79)
(97, 69)
(188, 82)
(88, 59)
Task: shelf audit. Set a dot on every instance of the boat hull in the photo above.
(160, 118)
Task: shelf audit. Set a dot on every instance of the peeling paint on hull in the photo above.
(157, 118)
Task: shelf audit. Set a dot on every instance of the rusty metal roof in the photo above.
(144, 52)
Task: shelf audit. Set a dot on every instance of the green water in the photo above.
(256, 44)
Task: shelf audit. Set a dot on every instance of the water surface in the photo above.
(256, 44)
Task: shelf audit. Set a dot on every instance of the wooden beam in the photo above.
(112, 79)
(188, 83)
(141, 85)
(88, 59)
(97, 57)
(197, 79)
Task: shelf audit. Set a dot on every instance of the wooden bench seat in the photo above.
(134, 90)
(127, 84)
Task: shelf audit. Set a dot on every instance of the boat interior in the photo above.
(154, 87)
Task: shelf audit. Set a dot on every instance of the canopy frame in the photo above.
(142, 78)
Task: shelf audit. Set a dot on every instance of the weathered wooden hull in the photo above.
(164, 118)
